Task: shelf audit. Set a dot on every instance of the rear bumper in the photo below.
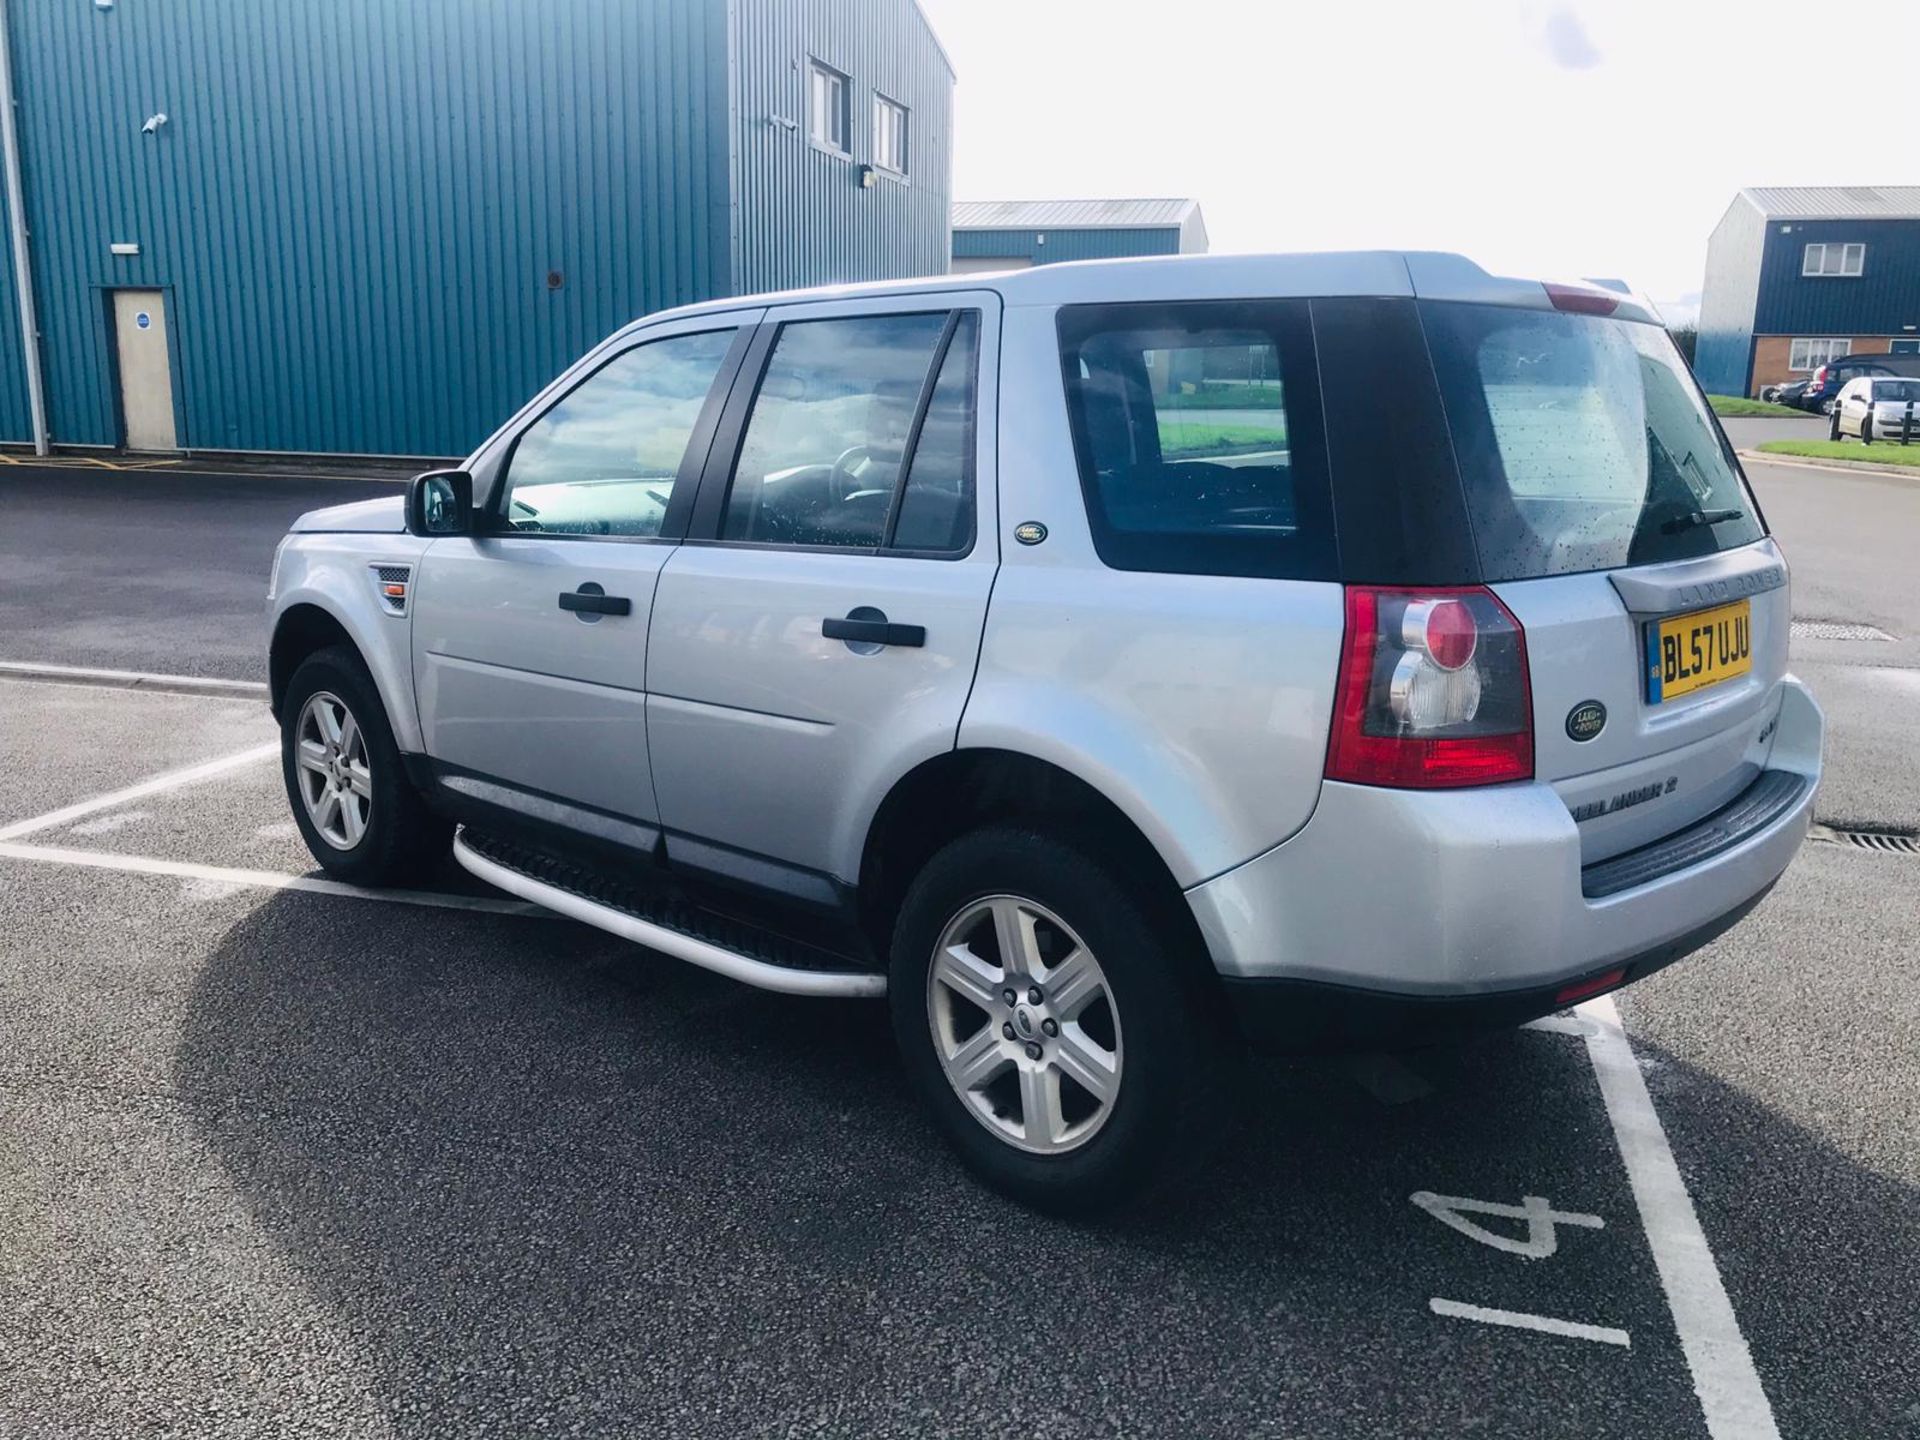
(1294, 1017)
(1427, 897)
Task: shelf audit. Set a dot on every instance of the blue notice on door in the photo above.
(143, 320)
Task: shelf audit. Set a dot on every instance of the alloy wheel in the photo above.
(1024, 1024)
(336, 781)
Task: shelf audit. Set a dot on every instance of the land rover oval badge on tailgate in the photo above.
(1586, 720)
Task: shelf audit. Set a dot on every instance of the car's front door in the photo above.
(530, 636)
(817, 632)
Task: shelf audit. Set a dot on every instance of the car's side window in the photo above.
(603, 460)
(821, 459)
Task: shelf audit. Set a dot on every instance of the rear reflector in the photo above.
(1578, 300)
(1585, 989)
(1433, 690)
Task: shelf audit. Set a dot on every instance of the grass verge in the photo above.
(1214, 395)
(1905, 456)
(1735, 405)
(1183, 438)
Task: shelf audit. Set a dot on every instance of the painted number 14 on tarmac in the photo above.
(1540, 1242)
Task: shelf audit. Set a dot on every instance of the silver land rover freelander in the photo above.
(1103, 662)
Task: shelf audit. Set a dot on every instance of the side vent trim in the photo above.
(392, 586)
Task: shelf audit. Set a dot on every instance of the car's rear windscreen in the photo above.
(1385, 440)
(1582, 443)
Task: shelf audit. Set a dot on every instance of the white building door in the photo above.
(146, 370)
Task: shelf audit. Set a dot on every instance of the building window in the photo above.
(1903, 347)
(828, 119)
(1833, 259)
(889, 135)
(1812, 354)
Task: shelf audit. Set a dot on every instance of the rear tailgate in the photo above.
(1631, 768)
(1609, 515)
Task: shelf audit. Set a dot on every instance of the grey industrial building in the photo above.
(1013, 234)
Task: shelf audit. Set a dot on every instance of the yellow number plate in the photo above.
(1690, 652)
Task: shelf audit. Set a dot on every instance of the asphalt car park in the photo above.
(281, 1157)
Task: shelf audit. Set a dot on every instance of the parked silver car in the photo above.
(1089, 661)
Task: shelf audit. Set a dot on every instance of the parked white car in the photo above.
(1102, 661)
(1877, 407)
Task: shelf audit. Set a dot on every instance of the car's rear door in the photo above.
(530, 637)
(817, 632)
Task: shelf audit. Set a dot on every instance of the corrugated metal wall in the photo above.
(1065, 244)
(1723, 355)
(354, 204)
(1880, 300)
(801, 216)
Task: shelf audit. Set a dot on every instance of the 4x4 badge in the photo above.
(1586, 720)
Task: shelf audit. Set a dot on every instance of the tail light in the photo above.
(1819, 381)
(1433, 690)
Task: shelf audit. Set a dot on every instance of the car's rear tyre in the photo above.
(1086, 1087)
(356, 809)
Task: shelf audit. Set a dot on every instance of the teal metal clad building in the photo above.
(377, 226)
(1013, 234)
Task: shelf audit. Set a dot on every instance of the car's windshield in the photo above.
(1897, 391)
(1583, 443)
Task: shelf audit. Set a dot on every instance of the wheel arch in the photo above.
(961, 790)
(299, 631)
(310, 620)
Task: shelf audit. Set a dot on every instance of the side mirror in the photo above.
(440, 502)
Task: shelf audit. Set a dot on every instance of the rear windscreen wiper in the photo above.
(1698, 517)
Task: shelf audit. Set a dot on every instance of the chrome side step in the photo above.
(748, 969)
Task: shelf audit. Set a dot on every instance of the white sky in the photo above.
(1537, 137)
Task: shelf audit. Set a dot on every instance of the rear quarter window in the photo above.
(1198, 433)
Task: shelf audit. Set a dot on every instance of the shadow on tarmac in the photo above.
(539, 1173)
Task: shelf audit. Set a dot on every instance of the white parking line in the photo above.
(1729, 1388)
(262, 879)
(171, 779)
(1519, 1320)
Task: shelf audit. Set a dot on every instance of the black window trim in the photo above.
(686, 481)
(723, 453)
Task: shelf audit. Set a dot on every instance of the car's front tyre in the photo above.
(1049, 1021)
(356, 809)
